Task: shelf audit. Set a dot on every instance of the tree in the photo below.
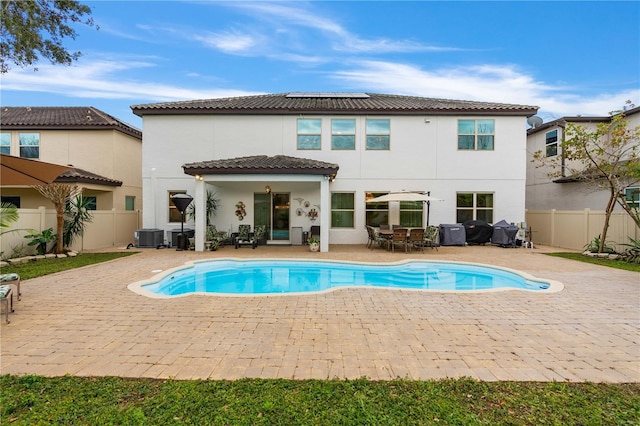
(32, 29)
(76, 216)
(59, 194)
(8, 215)
(607, 158)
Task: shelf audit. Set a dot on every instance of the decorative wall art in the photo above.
(240, 211)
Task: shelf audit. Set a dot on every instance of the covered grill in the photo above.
(504, 234)
(478, 231)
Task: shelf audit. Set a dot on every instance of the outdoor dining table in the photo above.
(387, 234)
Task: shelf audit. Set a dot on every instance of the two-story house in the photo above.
(295, 160)
(565, 192)
(103, 155)
(564, 209)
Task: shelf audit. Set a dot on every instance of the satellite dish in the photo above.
(534, 121)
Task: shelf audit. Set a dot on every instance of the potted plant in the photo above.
(314, 244)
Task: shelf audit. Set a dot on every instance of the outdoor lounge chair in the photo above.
(244, 237)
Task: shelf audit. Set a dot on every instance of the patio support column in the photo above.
(325, 215)
(201, 215)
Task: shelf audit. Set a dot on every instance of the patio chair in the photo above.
(375, 238)
(370, 235)
(13, 279)
(6, 301)
(431, 237)
(416, 239)
(244, 237)
(399, 238)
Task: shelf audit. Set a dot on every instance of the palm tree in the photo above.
(211, 206)
(8, 215)
(59, 194)
(77, 215)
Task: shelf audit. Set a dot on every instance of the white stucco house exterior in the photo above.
(565, 192)
(295, 160)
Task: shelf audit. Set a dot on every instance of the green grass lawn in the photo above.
(35, 400)
(618, 264)
(49, 266)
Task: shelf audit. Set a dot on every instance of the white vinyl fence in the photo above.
(108, 228)
(575, 229)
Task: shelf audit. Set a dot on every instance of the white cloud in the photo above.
(342, 39)
(230, 42)
(490, 83)
(105, 80)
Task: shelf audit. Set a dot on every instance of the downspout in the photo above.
(562, 124)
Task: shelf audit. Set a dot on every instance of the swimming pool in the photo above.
(238, 277)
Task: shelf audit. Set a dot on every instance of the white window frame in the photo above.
(308, 134)
(476, 134)
(352, 210)
(474, 207)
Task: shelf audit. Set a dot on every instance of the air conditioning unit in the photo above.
(149, 238)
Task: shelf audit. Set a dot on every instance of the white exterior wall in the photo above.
(423, 156)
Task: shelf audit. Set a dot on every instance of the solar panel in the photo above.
(335, 95)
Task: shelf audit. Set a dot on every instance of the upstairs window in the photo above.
(474, 206)
(5, 143)
(343, 134)
(342, 210)
(29, 145)
(309, 133)
(551, 143)
(633, 197)
(378, 134)
(476, 135)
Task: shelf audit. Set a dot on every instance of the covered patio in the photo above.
(274, 185)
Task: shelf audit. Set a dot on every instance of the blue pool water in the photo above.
(262, 277)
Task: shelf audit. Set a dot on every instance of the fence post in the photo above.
(553, 226)
(587, 217)
(114, 232)
(42, 211)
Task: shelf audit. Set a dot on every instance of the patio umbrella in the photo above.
(16, 171)
(407, 196)
(404, 196)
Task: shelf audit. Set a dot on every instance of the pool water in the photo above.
(264, 277)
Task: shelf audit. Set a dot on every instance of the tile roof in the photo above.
(333, 103)
(53, 118)
(82, 176)
(261, 164)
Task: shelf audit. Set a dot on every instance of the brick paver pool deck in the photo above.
(86, 322)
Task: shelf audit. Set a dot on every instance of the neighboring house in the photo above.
(295, 160)
(102, 154)
(565, 192)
